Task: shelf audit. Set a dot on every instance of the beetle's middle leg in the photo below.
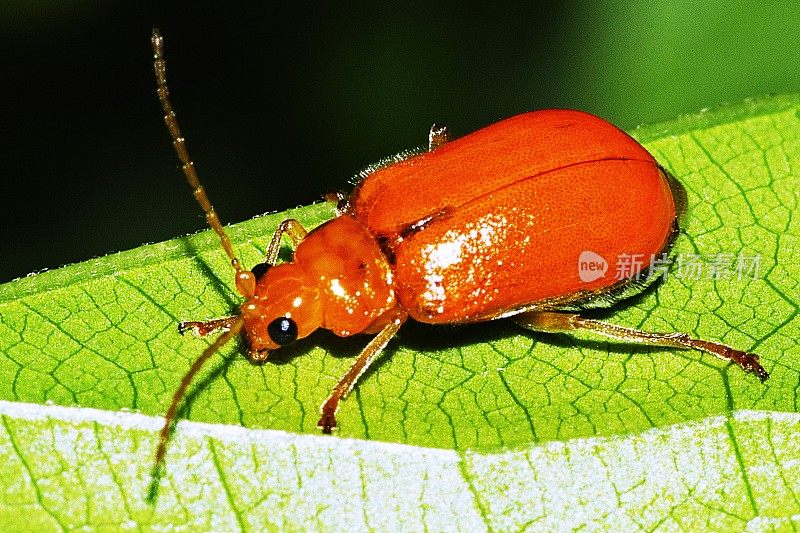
(554, 322)
(372, 350)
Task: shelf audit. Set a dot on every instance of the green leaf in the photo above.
(480, 427)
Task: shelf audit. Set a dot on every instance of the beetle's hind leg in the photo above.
(553, 322)
(437, 137)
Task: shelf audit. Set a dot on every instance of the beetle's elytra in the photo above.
(490, 225)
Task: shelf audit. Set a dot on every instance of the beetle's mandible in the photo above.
(527, 219)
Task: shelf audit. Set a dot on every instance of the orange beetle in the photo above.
(492, 225)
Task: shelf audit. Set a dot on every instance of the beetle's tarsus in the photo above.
(203, 328)
(437, 136)
(745, 360)
(327, 423)
(749, 363)
(258, 357)
(191, 326)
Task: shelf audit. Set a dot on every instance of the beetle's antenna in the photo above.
(169, 420)
(245, 281)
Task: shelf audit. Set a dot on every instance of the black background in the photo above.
(279, 105)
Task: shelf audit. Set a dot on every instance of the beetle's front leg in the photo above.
(296, 233)
(292, 229)
(554, 322)
(205, 327)
(289, 227)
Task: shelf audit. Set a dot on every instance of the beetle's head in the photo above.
(284, 308)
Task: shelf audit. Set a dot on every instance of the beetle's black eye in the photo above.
(282, 331)
(259, 270)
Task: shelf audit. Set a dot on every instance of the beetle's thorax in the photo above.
(338, 280)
